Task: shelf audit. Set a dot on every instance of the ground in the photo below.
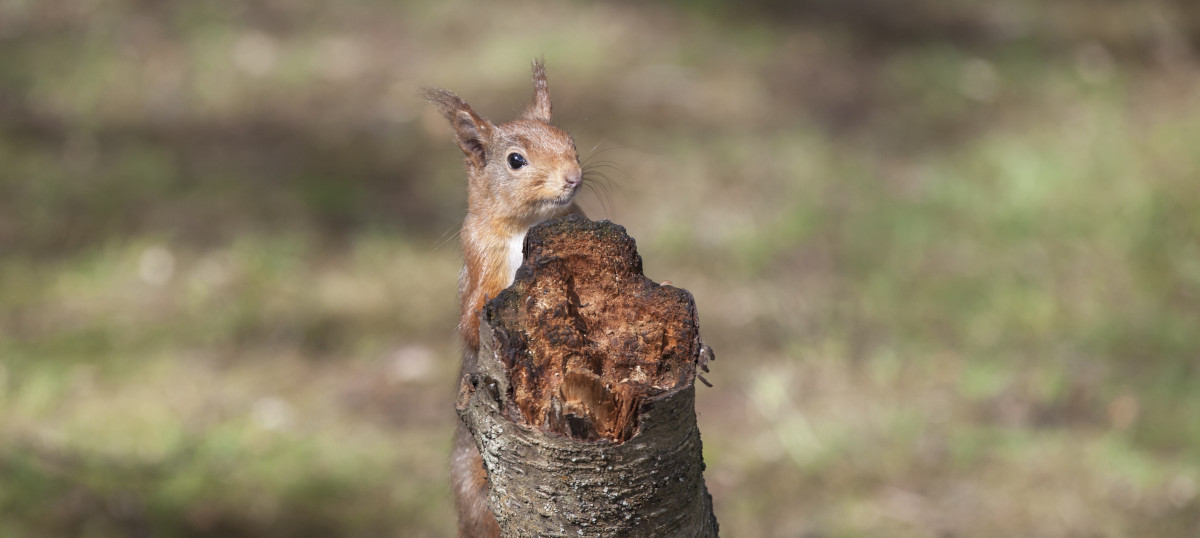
(948, 255)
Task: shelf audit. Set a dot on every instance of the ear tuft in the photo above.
(471, 131)
(540, 108)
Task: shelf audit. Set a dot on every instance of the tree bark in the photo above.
(582, 403)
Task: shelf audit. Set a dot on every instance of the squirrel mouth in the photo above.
(566, 197)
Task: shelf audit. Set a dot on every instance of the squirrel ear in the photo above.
(472, 134)
(540, 108)
(471, 131)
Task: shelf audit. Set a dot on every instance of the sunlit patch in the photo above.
(255, 53)
(271, 413)
(413, 362)
(156, 265)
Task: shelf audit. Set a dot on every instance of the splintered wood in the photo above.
(584, 337)
(581, 398)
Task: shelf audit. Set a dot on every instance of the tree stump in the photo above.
(582, 402)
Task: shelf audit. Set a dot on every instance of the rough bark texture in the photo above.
(583, 403)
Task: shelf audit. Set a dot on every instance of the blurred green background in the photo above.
(948, 254)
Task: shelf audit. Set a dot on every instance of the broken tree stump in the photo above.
(582, 404)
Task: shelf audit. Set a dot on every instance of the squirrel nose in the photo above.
(574, 178)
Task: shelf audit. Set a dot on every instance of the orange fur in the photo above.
(503, 202)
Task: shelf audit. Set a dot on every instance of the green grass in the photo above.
(952, 278)
(222, 399)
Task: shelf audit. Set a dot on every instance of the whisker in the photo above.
(601, 174)
(600, 186)
(602, 197)
(443, 239)
(589, 165)
(607, 165)
(593, 150)
(596, 174)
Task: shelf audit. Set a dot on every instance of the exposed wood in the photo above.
(583, 402)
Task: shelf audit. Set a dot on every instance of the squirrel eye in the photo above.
(516, 160)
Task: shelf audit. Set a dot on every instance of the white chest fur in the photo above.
(513, 256)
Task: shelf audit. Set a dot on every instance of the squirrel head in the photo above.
(519, 172)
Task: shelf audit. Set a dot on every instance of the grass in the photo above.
(220, 398)
(952, 277)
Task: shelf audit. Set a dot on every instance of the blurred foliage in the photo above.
(948, 254)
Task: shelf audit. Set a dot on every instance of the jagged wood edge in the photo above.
(548, 485)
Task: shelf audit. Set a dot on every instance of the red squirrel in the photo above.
(519, 174)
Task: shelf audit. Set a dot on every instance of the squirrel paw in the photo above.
(704, 357)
